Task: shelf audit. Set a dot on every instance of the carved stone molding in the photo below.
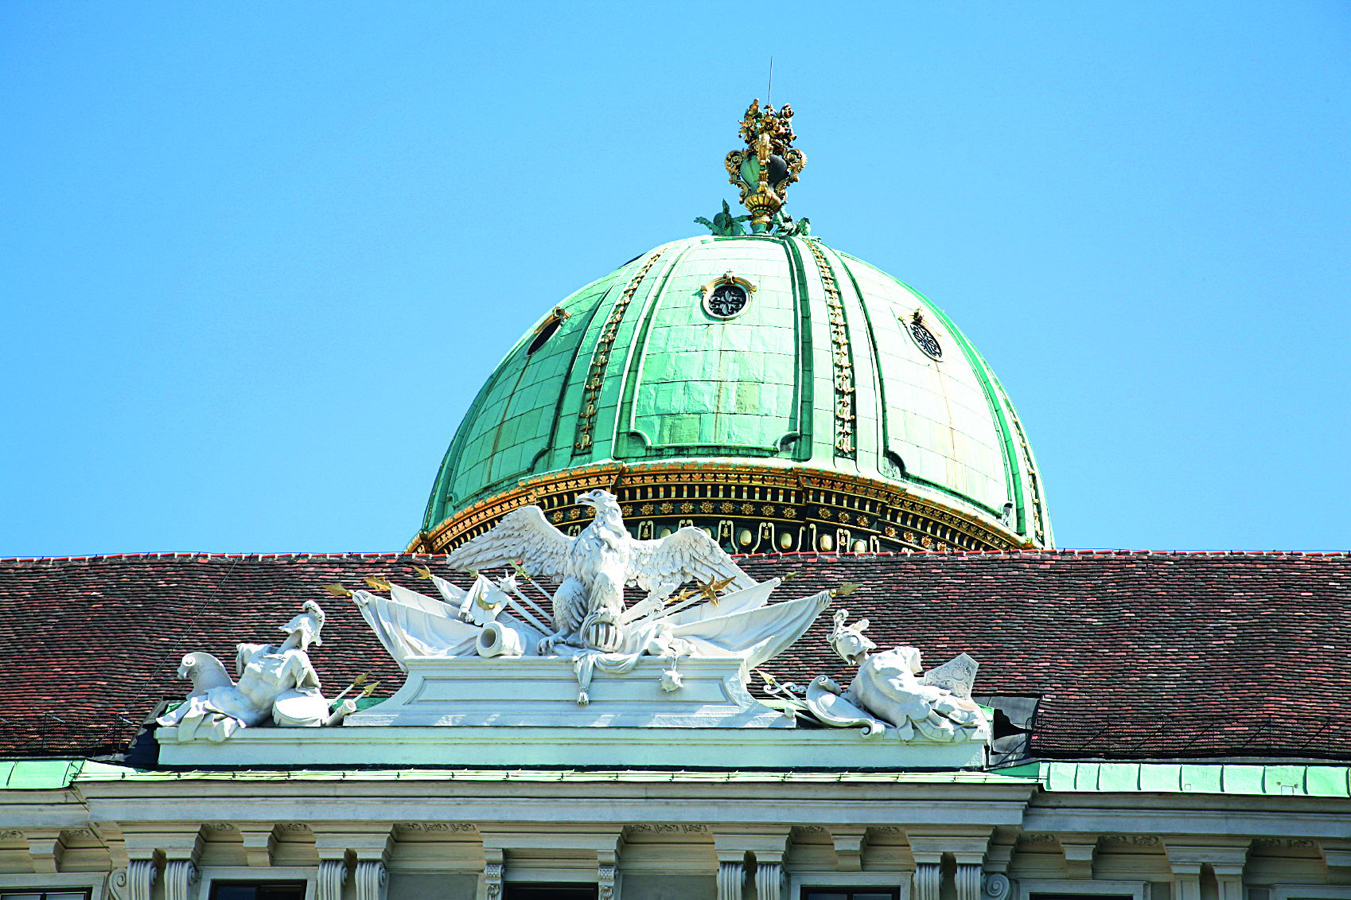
(218, 827)
(259, 843)
(967, 880)
(849, 842)
(995, 886)
(731, 877)
(492, 880)
(332, 875)
(1079, 851)
(11, 834)
(928, 881)
(370, 879)
(769, 881)
(45, 850)
(179, 877)
(1130, 840)
(1270, 843)
(436, 827)
(293, 827)
(666, 828)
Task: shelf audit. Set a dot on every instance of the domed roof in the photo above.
(804, 369)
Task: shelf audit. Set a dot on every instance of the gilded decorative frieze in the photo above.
(748, 508)
(600, 357)
(842, 358)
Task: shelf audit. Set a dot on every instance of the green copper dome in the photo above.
(753, 354)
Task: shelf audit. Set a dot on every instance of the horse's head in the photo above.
(204, 670)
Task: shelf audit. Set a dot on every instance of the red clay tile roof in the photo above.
(1135, 654)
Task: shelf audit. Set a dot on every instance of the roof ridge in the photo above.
(814, 554)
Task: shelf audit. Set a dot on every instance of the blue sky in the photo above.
(257, 258)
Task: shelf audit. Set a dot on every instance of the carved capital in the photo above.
(995, 886)
(492, 880)
(731, 878)
(967, 881)
(370, 879)
(928, 881)
(135, 881)
(607, 881)
(332, 875)
(179, 877)
(769, 881)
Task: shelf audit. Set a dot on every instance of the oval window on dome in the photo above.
(727, 296)
(924, 338)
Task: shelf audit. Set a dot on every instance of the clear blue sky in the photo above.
(256, 258)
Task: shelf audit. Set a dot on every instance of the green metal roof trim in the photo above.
(674, 383)
(49, 774)
(636, 776)
(1184, 778)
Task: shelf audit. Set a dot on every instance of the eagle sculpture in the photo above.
(595, 566)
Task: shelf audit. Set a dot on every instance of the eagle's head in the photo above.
(599, 499)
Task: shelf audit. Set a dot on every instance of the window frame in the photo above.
(1137, 890)
(95, 883)
(309, 875)
(850, 881)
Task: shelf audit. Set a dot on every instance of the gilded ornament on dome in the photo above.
(763, 171)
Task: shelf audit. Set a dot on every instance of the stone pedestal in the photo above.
(544, 692)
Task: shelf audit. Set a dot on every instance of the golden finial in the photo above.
(770, 162)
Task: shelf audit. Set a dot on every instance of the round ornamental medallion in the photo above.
(725, 300)
(924, 338)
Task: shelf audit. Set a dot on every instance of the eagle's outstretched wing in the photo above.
(523, 534)
(688, 555)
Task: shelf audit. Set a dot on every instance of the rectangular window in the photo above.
(257, 890)
(551, 892)
(851, 893)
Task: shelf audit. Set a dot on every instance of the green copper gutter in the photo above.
(1270, 779)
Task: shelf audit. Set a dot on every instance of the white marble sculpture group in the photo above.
(589, 622)
(276, 683)
(726, 617)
